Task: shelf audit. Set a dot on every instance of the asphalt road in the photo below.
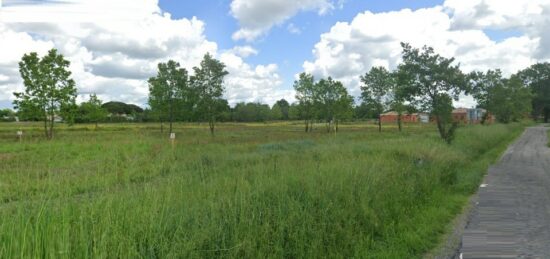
(512, 216)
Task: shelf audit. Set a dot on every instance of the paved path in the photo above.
(512, 217)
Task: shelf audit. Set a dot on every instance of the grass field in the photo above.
(252, 191)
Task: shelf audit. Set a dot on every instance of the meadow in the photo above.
(260, 190)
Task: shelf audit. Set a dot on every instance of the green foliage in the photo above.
(326, 100)
(92, 110)
(255, 191)
(305, 95)
(251, 112)
(537, 78)
(169, 92)
(332, 101)
(121, 108)
(48, 88)
(376, 88)
(7, 115)
(207, 83)
(430, 81)
(284, 106)
(508, 99)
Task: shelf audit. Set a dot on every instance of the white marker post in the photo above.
(172, 138)
(20, 135)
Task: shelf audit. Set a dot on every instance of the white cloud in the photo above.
(256, 17)
(349, 50)
(243, 51)
(252, 84)
(293, 29)
(113, 53)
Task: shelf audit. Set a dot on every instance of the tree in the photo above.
(168, 90)
(305, 91)
(7, 115)
(430, 81)
(537, 78)
(207, 83)
(93, 112)
(277, 112)
(332, 101)
(284, 106)
(376, 85)
(509, 101)
(48, 87)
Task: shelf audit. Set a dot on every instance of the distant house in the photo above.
(56, 118)
(471, 116)
(391, 117)
(423, 117)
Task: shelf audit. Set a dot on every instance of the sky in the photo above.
(114, 46)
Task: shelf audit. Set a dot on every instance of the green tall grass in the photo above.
(252, 191)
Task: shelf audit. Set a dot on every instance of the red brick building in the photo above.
(391, 117)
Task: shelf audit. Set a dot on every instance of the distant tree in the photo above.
(48, 87)
(69, 113)
(252, 112)
(430, 81)
(332, 101)
(207, 83)
(277, 112)
(122, 112)
(168, 91)
(375, 89)
(93, 112)
(284, 105)
(305, 94)
(294, 112)
(509, 101)
(7, 115)
(481, 84)
(537, 79)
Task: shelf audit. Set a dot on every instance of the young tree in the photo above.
(537, 78)
(208, 86)
(93, 112)
(305, 94)
(48, 87)
(168, 91)
(376, 85)
(332, 101)
(430, 80)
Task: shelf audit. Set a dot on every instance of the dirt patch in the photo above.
(6, 156)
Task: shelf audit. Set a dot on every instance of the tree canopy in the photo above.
(49, 88)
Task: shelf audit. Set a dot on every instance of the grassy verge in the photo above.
(256, 190)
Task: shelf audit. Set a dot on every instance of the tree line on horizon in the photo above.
(423, 81)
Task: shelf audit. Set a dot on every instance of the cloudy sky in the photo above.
(114, 45)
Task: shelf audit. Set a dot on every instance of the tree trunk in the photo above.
(441, 128)
(52, 119)
(337, 122)
(379, 122)
(46, 125)
(96, 125)
(212, 123)
(161, 127)
(399, 126)
(307, 125)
